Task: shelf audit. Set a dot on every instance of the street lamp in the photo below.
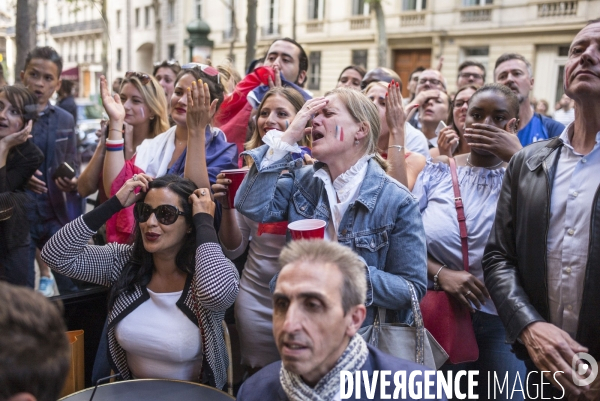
(199, 44)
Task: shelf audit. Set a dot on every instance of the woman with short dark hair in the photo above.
(19, 159)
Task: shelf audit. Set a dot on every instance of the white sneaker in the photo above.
(46, 286)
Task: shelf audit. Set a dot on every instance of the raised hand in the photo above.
(277, 78)
(199, 107)
(201, 202)
(394, 112)
(447, 141)
(502, 143)
(297, 129)
(127, 195)
(17, 138)
(112, 104)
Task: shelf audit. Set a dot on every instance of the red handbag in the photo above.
(448, 321)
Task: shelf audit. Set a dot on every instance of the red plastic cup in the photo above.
(307, 229)
(236, 176)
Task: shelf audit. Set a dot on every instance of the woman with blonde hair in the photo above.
(363, 207)
(253, 307)
(144, 116)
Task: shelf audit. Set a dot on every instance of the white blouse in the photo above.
(160, 341)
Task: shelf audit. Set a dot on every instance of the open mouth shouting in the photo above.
(316, 135)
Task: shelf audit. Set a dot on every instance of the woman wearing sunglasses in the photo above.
(168, 290)
(349, 189)
(197, 96)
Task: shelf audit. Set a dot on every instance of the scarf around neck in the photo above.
(352, 359)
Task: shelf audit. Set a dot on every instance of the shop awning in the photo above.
(72, 74)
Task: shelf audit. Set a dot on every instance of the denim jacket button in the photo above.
(372, 244)
(344, 231)
(303, 208)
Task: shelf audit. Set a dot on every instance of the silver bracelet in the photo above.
(436, 285)
(399, 147)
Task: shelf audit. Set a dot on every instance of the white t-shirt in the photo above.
(160, 341)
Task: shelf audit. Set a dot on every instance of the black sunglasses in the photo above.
(165, 214)
(143, 77)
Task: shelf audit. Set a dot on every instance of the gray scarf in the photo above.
(352, 359)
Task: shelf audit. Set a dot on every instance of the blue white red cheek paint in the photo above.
(287, 124)
(142, 110)
(339, 133)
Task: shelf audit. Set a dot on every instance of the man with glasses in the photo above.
(514, 71)
(470, 73)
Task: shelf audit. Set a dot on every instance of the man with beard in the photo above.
(514, 71)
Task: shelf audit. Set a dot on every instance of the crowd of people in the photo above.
(388, 175)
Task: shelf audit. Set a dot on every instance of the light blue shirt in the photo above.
(575, 184)
(480, 189)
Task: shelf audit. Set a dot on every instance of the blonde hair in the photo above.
(228, 74)
(154, 97)
(373, 84)
(295, 99)
(352, 268)
(362, 109)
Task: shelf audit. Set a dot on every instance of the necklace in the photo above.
(489, 168)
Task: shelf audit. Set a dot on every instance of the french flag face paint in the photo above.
(287, 124)
(339, 133)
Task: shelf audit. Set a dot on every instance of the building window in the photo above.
(359, 57)
(360, 7)
(479, 54)
(147, 16)
(118, 18)
(171, 53)
(199, 9)
(417, 5)
(119, 60)
(228, 27)
(314, 70)
(272, 17)
(137, 17)
(171, 13)
(315, 9)
(473, 3)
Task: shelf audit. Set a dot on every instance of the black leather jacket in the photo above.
(514, 263)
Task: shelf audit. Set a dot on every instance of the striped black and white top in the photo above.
(213, 286)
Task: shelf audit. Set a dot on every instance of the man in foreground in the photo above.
(34, 351)
(318, 307)
(542, 261)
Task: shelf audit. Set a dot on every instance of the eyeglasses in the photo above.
(467, 75)
(166, 63)
(432, 81)
(143, 77)
(205, 68)
(165, 214)
(460, 103)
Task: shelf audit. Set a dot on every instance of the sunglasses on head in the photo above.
(205, 68)
(143, 77)
(166, 63)
(165, 214)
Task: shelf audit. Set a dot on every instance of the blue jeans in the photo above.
(101, 367)
(495, 358)
(40, 234)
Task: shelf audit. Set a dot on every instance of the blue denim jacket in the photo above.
(383, 225)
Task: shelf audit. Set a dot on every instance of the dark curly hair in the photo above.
(138, 271)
